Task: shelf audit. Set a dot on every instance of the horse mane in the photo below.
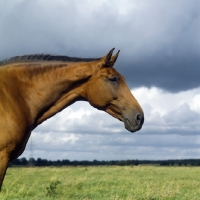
(45, 57)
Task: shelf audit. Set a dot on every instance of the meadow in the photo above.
(102, 183)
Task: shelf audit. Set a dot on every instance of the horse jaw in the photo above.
(133, 121)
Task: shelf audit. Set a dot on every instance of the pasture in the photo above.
(107, 182)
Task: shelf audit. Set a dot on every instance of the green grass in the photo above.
(102, 183)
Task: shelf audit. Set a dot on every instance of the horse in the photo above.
(35, 87)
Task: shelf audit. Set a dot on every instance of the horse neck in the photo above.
(52, 88)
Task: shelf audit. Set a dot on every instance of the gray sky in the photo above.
(160, 48)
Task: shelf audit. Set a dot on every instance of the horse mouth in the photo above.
(130, 127)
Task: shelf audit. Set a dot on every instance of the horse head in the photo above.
(107, 90)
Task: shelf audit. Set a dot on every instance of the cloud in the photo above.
(171, 130)
(163, 112)
(169, 113)
(115, 147)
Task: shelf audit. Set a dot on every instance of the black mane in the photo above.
(45, 57)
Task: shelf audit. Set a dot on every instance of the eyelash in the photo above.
(113, 79)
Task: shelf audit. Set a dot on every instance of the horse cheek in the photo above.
(97, 96)
(105, 94)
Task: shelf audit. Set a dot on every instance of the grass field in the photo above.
(109, 183)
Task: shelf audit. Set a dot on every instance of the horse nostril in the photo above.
(139, 119)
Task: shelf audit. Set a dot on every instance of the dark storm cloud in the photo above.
(159, 40)
(173, 74)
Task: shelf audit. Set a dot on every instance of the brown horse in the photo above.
(33, 88)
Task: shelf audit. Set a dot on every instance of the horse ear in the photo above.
(107, 60)
(114, 58)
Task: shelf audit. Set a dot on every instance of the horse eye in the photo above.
(113, 79)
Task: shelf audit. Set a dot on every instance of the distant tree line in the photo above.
(45, 162)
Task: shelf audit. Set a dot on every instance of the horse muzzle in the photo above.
(134, 122)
